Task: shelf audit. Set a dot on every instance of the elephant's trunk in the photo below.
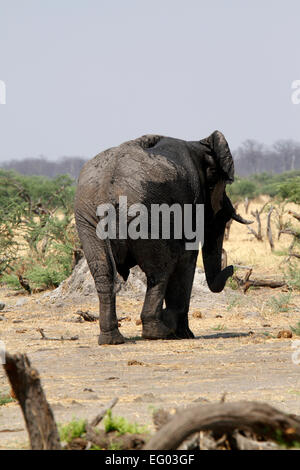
(213, 242)
(212, 258)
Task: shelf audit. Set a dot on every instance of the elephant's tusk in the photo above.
(240, 219)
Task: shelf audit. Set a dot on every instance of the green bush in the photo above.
(241, 189)
(37, 229)
(76, 428)
(121, 425)
(282, 186)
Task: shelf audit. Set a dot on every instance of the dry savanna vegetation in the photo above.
(242, 351)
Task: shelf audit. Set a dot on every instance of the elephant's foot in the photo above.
(157, 330)
(184, 333)
(111, 337)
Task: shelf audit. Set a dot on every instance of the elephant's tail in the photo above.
(116, 280)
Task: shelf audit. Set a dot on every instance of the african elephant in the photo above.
(154, 170)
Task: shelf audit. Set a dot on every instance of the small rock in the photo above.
(88, 390)
(75, 402)
(138, 322)
(2, 305)
(57, 406)
(266, 325)
(147, 397)
(18, 321)
(219, 316)
(252, 314)
(22, 301)
(2, 318)
(197, 314)
(136, 363)
(201, 400)
(124, 318)
(285, 334)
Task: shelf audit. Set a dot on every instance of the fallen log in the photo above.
(87, 316)
(246, 282)
(27, 388)
(258, 418)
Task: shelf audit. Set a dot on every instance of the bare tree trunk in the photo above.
(269, 230)
(246, 204)
(26, 385)
(258, 234)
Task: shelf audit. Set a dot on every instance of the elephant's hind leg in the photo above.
(178, 295)
(98, 260)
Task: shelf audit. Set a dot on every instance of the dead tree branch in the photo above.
(257, 214)
(87, 316)
(246, 204)
(294, 214)
(258, 234)
(259, 418)
(291, 232)
(246, 282)
(269, 229)
(26, 385)
(62, 338)
(103, 412)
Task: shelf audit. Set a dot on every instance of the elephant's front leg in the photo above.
(153, 326)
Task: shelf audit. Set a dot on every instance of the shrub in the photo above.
(76, 428)
(37, 229)
(121, 425)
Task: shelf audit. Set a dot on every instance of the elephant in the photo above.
(155, 169)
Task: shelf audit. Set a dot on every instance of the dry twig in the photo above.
(62, 338)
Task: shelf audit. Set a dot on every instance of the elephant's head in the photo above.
(219, 170)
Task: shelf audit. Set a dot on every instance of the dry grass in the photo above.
(243, 248)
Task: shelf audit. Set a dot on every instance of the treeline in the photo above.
(42, 167)
(251, 157)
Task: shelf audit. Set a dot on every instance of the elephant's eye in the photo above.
(212, 176)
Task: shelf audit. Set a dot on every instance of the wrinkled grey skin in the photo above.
(156, 169)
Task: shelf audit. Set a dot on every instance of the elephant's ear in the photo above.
(221, 154)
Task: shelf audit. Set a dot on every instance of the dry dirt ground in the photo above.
(235, 351)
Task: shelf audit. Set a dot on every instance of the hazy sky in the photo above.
(84, 75)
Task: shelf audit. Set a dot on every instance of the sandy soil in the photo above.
(236, 351)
